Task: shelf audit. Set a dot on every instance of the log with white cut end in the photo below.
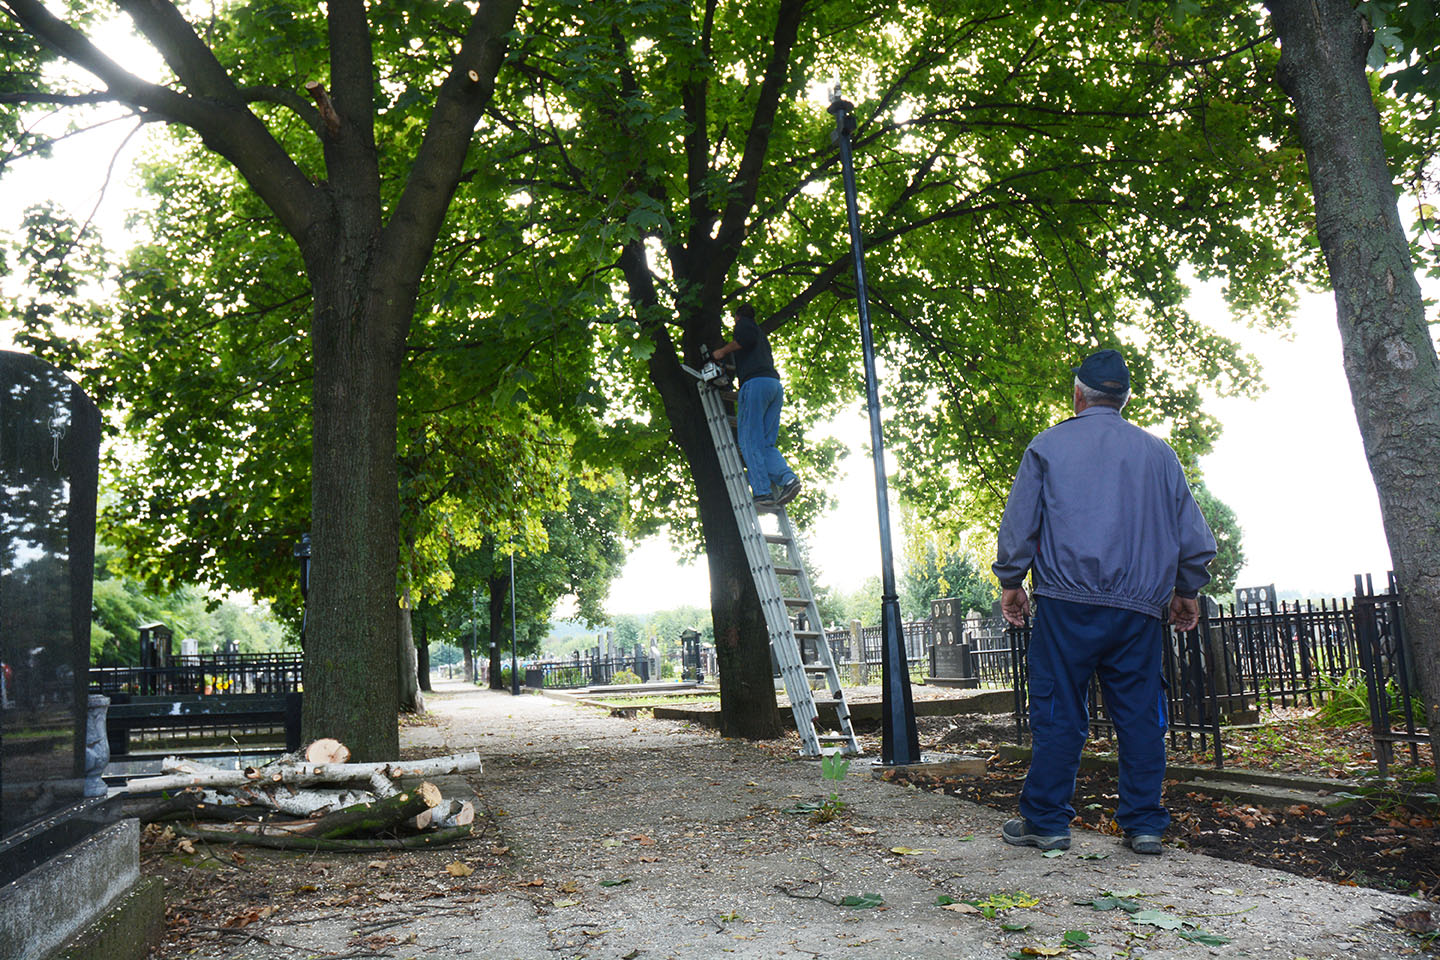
(326, 750)
(453, 813)
(304, 774)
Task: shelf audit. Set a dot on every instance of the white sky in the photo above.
(1290, 464)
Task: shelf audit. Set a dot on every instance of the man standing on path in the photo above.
(1102, 517)
(761, 396)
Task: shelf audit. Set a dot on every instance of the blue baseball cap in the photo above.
(1104, 371)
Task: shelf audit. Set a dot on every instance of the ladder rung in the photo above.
(776, 538)
(834, 738)
(816, 668)
(806, 634)
(787, 571)
(796, 601)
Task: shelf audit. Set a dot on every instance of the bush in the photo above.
(1347, 701)
(625, 676)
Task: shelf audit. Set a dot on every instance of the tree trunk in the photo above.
(742, 640)
(1390, 359)
(499, 587)
(422, 655)
(408, 678)
(350, 663)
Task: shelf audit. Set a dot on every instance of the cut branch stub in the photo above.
(316, 89)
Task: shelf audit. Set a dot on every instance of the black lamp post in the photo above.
(514, 670)
(899, 742)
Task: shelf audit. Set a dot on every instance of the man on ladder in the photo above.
(771, 484)
(762, 395)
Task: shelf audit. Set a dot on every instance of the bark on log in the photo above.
(377, 817)
(433, 838)
(306, 774)
(381, 785)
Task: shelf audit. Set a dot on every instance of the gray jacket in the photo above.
(1101, 512)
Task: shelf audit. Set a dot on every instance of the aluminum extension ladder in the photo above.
(768, 569)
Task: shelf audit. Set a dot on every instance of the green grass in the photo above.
(658, 701)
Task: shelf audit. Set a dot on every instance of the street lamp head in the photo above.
(838, 104)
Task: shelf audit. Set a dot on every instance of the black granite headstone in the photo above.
(49, 448)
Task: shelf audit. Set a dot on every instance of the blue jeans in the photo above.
(759, 412)
(1071, 642)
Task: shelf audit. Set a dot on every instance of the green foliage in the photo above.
(626, 676)
(1230, 550)
(1347, 701)
(122, 605)
(937, 567)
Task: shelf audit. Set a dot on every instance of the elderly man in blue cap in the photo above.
(1102, 518)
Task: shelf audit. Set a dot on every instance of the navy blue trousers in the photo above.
(1069, 643)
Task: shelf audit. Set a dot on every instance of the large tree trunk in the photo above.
(350, 662)
(1390, 359)
(499, 587)
(742, 640)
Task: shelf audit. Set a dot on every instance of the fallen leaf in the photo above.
(537, 882)
(499, 851)
(1042, 951)
(864, 901)
(615, 883)
(569, 886)
(458, 869)
(185, 846)
(1014, 927)
(1158, 918)
(631, 955)
(961, 908)
(567, 903)
(907, 851)
(649, 859)
(1417, 921)
(376, 864)
(862, 831)
(643, 840)
(1052, 854)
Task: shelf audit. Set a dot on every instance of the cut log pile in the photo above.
(315, 800)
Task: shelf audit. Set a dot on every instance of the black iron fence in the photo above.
(218, 673)
(1293, 655)
(584, 672)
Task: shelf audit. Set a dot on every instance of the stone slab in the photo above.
(127, 930)
(932, 765)
(61, 897)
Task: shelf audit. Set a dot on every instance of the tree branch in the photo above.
(222, 120)
(746, 183)
(286, 98)
(410, 235)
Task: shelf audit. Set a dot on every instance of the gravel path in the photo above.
(613, 838)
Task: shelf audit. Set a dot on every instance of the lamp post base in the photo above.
(931, 765)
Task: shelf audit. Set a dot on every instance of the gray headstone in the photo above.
(49, 455)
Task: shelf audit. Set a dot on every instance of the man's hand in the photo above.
(724, 350)
(1015, 606)
(1184, 613)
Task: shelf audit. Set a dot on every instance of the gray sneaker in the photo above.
(1021, 834)
(766, 501)
(1146, 843)
(788, 492)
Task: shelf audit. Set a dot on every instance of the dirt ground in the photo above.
(1386, 838)
(634, 839)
